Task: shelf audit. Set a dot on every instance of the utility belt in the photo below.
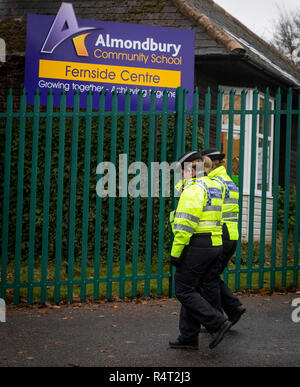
(201, 240)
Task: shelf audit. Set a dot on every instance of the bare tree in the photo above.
(286, 36)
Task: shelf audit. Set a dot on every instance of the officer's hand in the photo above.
(175, 261)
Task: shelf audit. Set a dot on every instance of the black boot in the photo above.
(184, 344)
(218, 336)
(237, 314)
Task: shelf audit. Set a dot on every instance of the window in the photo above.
(259, 146)
(247, 145)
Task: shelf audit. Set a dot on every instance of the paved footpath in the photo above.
(136, 334)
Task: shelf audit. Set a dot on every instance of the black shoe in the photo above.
(183, 344)
(218, 336)
(237, 314)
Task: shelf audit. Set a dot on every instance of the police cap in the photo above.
(213, 154)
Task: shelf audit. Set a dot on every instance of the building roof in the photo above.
(238, 40)
(217, 33)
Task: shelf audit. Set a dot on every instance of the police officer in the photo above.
(230, 303)
(196, 252)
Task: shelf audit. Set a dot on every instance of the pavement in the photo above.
(136, 334)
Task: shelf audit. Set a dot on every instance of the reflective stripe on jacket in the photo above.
(199, 211)
(230, 215)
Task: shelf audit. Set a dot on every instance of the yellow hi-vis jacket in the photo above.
(230, 215)
(199, 211)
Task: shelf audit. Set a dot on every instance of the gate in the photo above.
(62, 241)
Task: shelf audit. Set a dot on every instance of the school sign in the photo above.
(63, 53)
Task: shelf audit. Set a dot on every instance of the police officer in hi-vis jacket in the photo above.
(230, 303)
(196, 253)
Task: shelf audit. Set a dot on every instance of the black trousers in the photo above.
(200, 268)
(229, 301)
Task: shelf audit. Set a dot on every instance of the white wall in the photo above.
(257, 218)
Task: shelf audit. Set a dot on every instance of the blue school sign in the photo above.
(63, 53)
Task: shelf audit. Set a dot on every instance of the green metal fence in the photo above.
(61, 241)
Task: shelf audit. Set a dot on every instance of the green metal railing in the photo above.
(59, 240)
